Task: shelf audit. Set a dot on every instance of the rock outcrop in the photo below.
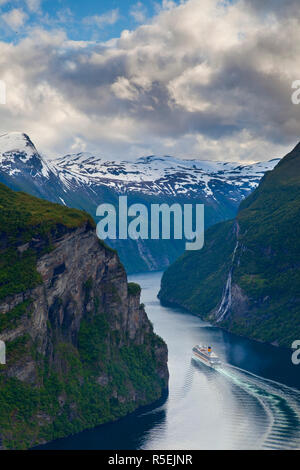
(80, 348)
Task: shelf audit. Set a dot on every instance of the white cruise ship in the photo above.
(205, 355)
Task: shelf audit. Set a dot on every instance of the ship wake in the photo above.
(280, 403)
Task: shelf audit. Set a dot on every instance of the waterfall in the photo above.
(227, 298)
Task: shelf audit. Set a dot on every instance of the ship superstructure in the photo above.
(205, 355)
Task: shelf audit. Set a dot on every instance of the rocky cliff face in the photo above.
(246, 278)
(80, 348)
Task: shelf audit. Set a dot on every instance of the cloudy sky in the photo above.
(208, 79)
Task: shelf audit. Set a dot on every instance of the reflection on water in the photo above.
(252, 402)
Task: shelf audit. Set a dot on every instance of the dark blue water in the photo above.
(252, 403)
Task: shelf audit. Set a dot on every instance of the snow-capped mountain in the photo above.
(84, 181)
(164, 175)
(17, 150)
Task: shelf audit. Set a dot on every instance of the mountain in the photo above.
(80, 348)
(246, 279)
(84, 181)
(166, 176)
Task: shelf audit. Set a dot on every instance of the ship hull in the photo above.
(206, 362)
(203, 361)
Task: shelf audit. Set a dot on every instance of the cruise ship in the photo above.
(205, 355)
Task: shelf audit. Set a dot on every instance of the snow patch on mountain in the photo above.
(151, 175)
(16, 142)
(168, 175)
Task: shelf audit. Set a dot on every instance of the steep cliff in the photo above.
(247, 277)
(80, 348)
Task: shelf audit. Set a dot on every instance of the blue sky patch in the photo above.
(83, 20)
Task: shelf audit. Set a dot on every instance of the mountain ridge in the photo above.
(84, 181)
(77, 165)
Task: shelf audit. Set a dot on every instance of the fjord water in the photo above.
(253, 402)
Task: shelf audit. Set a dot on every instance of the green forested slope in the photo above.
(264, 300)
(80, 348)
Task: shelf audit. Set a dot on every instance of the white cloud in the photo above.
(79, 145)
(205, 79)
(34, 5)
(182, 89)
(124, 90)
(101, 21)
(15, 18)
(139, 12)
